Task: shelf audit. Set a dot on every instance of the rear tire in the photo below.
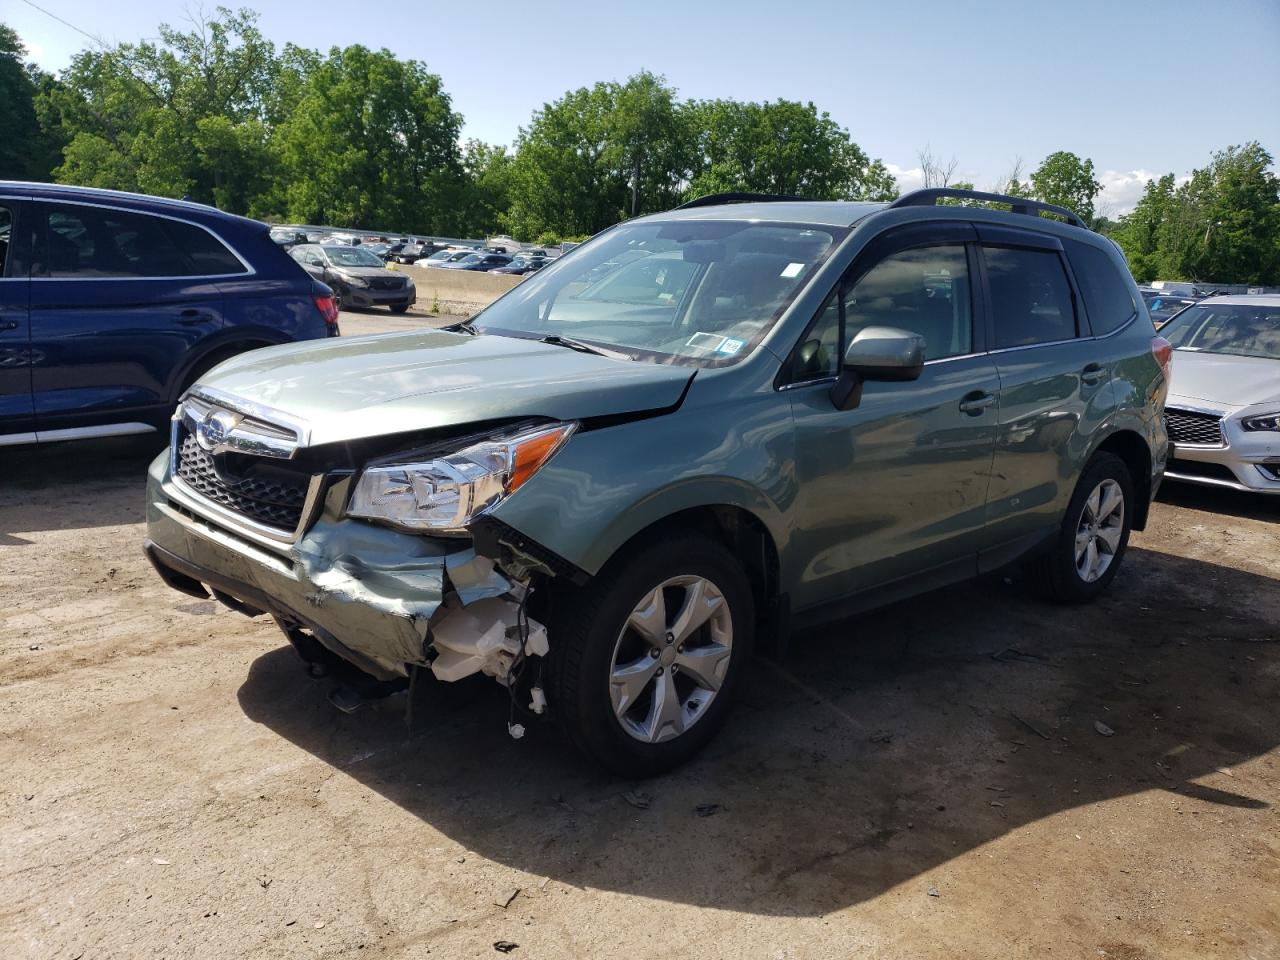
(634, 688)
(1091, 543)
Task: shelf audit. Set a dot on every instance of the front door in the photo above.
(897, 486)
(17, 420)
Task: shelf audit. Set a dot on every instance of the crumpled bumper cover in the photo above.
(367, 592)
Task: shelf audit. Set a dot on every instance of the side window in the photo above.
(1107, 297)
(924, 290)
(1031, 298)
(208, 255)
(96, 242)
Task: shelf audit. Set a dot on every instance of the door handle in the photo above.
(1093, 374)
(192, 317)
(974, 403)
(9, 325)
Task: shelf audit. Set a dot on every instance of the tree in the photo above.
(372, 142)
(26, 152)
(597, 155)
(187, 115)
(780, 147)
(1138, 233)
(1066, 180)
(934, 171)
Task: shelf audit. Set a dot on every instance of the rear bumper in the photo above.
(367, 593)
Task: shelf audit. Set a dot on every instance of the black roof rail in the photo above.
(931, 195)
(716, 199)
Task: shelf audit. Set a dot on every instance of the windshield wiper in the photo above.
(558, 341)
(463, 326)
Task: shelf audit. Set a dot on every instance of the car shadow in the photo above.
(1232, 503)
(882, 747)
(74, 485)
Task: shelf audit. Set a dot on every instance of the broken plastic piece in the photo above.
(482, 637)
(535, 645)
(516, 730)
(539, 702)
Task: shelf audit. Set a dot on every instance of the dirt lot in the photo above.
(922, 782)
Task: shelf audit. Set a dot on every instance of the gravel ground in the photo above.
(926, 781)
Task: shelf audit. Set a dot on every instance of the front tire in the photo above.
(1086, 554)
(646, 659)
(399, 308)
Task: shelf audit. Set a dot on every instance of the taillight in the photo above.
(1162, 350)
(328, 308)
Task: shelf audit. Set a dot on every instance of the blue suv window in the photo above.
(98, 242)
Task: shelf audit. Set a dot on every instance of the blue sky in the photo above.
(1142, 88)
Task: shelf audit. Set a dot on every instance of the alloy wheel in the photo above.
(671, 658)
(1099, 531)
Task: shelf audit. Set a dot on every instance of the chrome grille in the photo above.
(261, 492)
(1191, 426)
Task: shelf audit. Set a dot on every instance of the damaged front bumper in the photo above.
(382, 600)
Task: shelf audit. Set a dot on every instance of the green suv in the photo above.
(697, 432)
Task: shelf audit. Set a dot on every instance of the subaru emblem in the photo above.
(212, 431)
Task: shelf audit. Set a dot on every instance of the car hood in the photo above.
(356, 387)
(1225, 380)
(367, 272)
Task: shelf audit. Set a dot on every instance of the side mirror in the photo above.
(877, 353)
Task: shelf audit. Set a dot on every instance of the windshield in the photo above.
(702, 292)
(1238, 329)
(351, 257)
(470, 258)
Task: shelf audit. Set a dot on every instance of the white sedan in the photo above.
(1223, 410)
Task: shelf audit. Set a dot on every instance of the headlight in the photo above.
(446, 493)
(1267, 421)
(353, 281)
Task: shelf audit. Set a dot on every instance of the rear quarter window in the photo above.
(1107, 297)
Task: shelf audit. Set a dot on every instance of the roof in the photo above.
(53, 191)
(830, 213)
(1257, 299)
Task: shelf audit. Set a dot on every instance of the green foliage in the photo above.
(1222, 225)
(1066, 180)
(779, 147)
(26, 151)
(372, 142)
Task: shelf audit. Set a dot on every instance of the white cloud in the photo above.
(35, 52)
(1122, 189)
(908, 178)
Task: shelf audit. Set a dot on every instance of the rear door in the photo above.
(17, 414)
(118, 299)
(1055, 386)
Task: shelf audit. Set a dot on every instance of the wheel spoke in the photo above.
(665, 717)
(1111, 499)
(1091, 560)
(1109, 538)
(1082, 544)
(649, 618)
(699, 604)
(1092, 505)
(706, 666)
(628, 682)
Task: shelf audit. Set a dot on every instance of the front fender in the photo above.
(607, 485)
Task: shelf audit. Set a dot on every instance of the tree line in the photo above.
(361, 138)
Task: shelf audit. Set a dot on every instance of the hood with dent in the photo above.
(1219, 378)
(351, 388)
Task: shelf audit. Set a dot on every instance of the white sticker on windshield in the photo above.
(792, 270)
(706, 341)
(730, 346)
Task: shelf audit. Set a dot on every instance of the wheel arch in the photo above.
(1132, 448)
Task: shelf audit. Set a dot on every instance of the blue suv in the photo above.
(112, 304)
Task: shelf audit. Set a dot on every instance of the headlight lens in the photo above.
(1267, 421)
(444, 494)
(353, 280)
